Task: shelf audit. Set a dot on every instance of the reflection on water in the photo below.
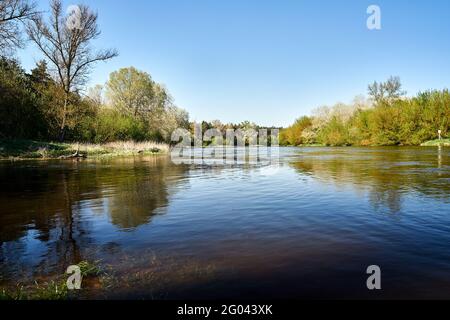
(49, 210)
(307, 228)
(386, 173)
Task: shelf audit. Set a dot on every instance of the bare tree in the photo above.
(66, 44)
(12, 14)
(393, 88)
(386, 91)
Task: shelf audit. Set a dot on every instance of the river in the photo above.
(305, 227)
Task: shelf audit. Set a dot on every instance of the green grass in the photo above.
(312, 145)
(90, 269)
(55, 289)
(305, 145)
(28, 149)
(52, 290)
(32, 149)
(436, 143)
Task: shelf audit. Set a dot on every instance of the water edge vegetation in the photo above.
(53, 102)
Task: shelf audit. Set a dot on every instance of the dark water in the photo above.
(307, 228)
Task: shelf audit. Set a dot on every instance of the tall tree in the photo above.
(131, 91)
(65, 42)
(12, 14)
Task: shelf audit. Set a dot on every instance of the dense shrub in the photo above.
(113, 126)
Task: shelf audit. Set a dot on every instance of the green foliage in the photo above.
(131, 91)
(137, 98)
(55, 289)
(434, 108)
(386, 125)
(49, 291)
(334, 133)
(20, 113)
(31, 107)
(391, 121)
(32, 149)
(16, 294)
(90, 269)
(411, 121)
(111, 125)
(28, 149)
(436, 143)
(293, 136)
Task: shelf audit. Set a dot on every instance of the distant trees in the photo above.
(294, 135)
(391, 120)
(13, 13)
(327, 125)
(68, 49)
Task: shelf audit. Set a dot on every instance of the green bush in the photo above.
(112, 126)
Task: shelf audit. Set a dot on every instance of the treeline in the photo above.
(223, 127)
(387, 118)
(52, 103)
(130, 106)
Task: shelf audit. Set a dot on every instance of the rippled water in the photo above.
(306, 228)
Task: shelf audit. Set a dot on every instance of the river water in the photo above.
(307, 226)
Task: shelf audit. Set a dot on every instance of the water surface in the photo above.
(307, 227)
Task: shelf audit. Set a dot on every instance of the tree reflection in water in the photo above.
(41, 204)
(386, 173)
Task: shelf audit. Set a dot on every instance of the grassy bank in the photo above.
(313, 145)
(436, 143)
(27, 149)
(56, 287)
(153, 279)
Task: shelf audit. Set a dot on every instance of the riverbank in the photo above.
(432, 143)
(52, 288)
(28, 149)
(437, 143)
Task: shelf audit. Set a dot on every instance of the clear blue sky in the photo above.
(272, 61)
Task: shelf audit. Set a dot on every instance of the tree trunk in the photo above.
(62, 131)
